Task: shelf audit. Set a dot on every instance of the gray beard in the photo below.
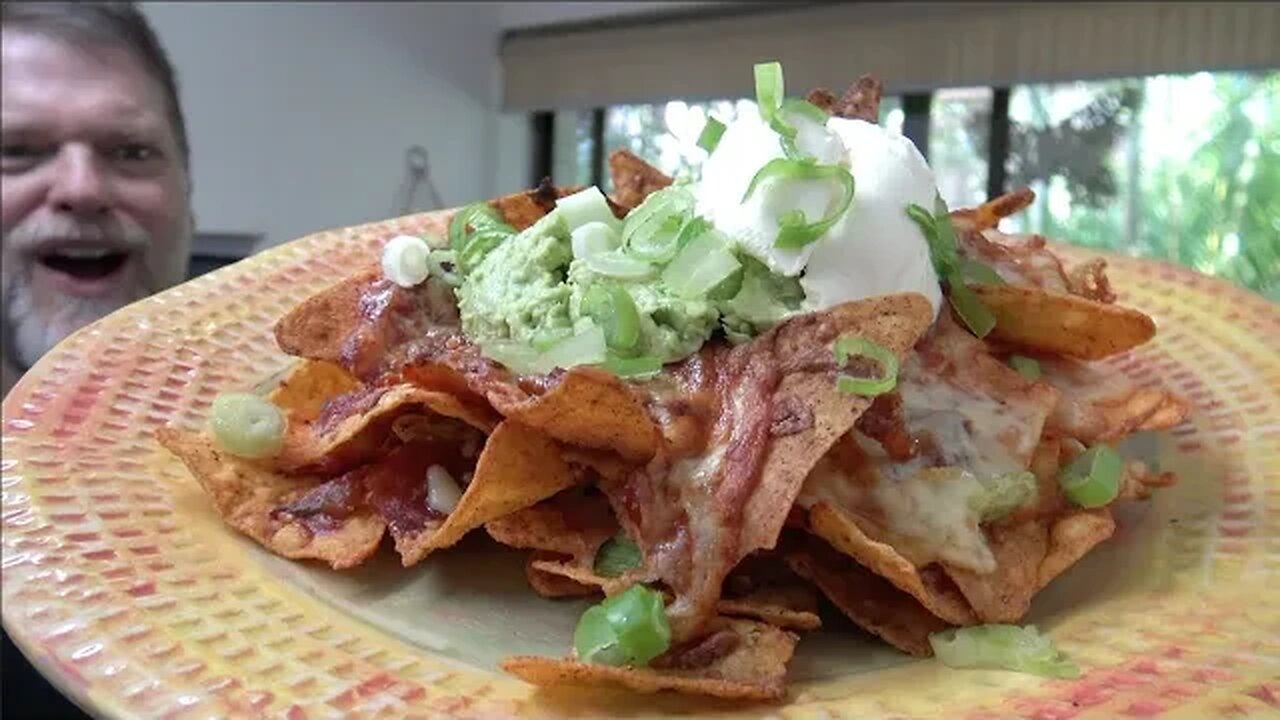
(28, 335)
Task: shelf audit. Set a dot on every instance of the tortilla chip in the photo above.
(861, 101)
(1062, 324)
(590, 408)
(310, 384)
(521, 210)
(895, 322)
(1004, 595)
(518, 467)
(573, 523)
(823, 99)
(1071, 538)
(990, 213)
(842, 531)
(1099, 404)
(791, 608)
(246, 495)
(354, 428)
(754, 670)
(582, 573)
(867, 599)
(553, 585)
(634, 179)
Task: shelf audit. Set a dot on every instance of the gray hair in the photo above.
(114, 24)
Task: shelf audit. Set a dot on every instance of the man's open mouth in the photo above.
(85, 263)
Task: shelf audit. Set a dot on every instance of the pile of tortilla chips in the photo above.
(750, 486)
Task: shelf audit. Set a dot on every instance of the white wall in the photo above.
(299, 113)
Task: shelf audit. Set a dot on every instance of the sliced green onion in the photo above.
(247, 425)
(943, 255)
(405, 260)
(942, 221)
(644, 366)
(516, 356)
(793, 231)
(586, 206)
(616, 556)
(547, 338)
(1028, 368)
(969, 307)
(979, 272)
(700, 266)
(473, 232)
(770, 88)
(1093, 478)
(710, 136)
(694, 228)
(629, 628)
(437, 259)
(657, 240)
(848, 345)
(596, 245)
(1002, 647)
(805, 109)
(1002, 494)
(610, 306)
(585, 348)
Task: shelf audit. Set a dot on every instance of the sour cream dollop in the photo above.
(873, 249)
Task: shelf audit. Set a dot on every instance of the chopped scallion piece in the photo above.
(969, 307)
(979, 272)
(1029, 368)
(586, 206)
(406, 260)
(1002, 494)
(585, 348)
(700, 266)
(1002, 647)
(596, 245)
(630, 628)
(793, 231)
(711, 133)
(247, 425)
(610, 306)
(1093, 478)
(616, 556)
(644, 366)
(888, 380)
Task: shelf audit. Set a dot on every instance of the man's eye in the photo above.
(133, 152)
(21, 151)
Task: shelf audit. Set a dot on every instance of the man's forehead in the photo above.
(43, 73)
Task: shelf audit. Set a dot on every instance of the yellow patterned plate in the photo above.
(127, 591)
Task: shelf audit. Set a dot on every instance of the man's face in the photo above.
(95, 196)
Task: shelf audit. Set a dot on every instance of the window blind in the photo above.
(909, 46)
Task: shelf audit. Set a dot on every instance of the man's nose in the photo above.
(81, 185)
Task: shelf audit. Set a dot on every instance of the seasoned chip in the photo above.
(518, 467)
(1063, 324)
(521, 210)
(988, 214)
(861, 101)
(247, 496)
(1101, 405)
(634, 179)
(587, 407)
(1004, 595)
(553, 585)
(933, 590)
(867, 599)
(355, 427)
(310, 384)
(1071, 538)
(755, 668)
(573, 523)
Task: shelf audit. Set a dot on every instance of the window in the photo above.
(1182, 168)
(959, 120)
